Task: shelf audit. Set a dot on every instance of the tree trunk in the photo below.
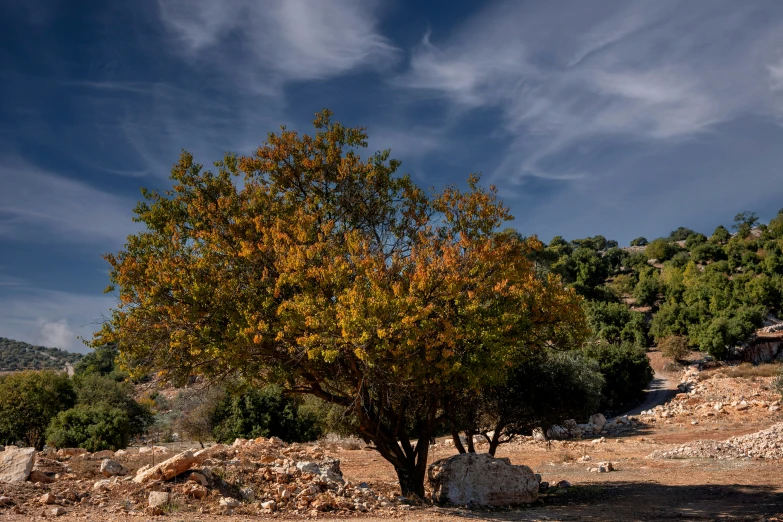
(411, 477)
(495, 442)
(457, 442)
(469, 439)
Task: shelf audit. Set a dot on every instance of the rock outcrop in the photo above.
(478, 479)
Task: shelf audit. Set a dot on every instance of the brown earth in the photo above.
(641, 488)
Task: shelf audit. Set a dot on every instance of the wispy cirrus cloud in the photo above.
(40, 206)
(638, 71)
(280, 40)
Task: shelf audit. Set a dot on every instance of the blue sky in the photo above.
(618, 118)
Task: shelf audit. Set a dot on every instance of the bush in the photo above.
(661, 250)
(93, 427)
(779, 383)
(648, 288)
(694, 240)
(639, 241)
(626, 371)
(95, 389)
(28, 402)
(252, 413)
(674, 346)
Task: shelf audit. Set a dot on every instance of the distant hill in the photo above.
(16, 355)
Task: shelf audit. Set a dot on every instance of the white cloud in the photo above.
(641, 71)
(52, 318)
(40, 206)
(295, 39)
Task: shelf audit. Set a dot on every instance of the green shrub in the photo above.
(626, 371)
(93, 427)
(251, 413)
(28, 402)
(661, 250)
(779, 382)
(95, 389)
(639, 241)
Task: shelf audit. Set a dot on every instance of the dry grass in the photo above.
(749, 371)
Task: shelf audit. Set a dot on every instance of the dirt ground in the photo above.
(641, 488)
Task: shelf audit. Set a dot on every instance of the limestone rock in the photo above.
(229, 502)
(597, 421)
(16, 464)
(47, 498)
(111, 468)
(197, 478)
(168, 469)
(481, 480)
(56, 512)
(157, 499)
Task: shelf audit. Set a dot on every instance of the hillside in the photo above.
(715, 294)
(17, 355)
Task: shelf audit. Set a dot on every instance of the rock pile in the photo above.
(765, 444)
(250, 477)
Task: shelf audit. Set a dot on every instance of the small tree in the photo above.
(546, 390)
(674, 347)
(639, 241)
(660, 249)
(721, 235)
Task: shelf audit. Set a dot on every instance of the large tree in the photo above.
(335, 277)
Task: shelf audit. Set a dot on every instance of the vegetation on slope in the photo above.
(17, 355)
(713, 292)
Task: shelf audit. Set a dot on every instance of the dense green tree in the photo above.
(660, 249)
(616, 323)
(681, 234)
(648, 288)
(721, 235)
(695, 240)
(639, 241)
(626, 371)
(744, 223)
(28, 402)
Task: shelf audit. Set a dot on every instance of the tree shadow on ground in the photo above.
(632, 501)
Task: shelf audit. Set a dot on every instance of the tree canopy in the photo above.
(333, 276)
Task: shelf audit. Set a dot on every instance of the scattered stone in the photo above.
(38, 477)
(229, 502)
(112, 468)
(482, 480)
(158, 499)
(563, 484)
(56, 512)
(198, 478)
(5, 501)
(47, 498)
(16, 464)
(762, 444)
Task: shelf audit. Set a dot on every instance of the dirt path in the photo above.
(662, 387)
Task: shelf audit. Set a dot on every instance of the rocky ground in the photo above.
(686, 460)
